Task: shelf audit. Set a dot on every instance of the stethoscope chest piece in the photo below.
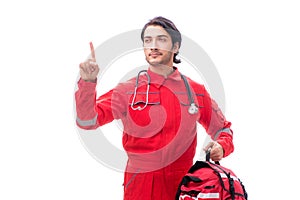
(193, 109)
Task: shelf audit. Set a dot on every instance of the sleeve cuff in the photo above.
(87, 84)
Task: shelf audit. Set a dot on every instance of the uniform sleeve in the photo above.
(93, 112)
(215, 124)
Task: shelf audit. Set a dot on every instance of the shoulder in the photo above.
(196, 85)
(126, 85)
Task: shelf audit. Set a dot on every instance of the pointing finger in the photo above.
(92, 51)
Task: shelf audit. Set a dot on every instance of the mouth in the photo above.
(155, 54)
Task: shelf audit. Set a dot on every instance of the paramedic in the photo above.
(159, 109)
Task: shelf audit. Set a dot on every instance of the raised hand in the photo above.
(89, 69)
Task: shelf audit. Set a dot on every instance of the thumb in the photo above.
(208, 146)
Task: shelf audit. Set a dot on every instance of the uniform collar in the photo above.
(159, 80)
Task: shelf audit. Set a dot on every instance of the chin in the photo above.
(153, 62)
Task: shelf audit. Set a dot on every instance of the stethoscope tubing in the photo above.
(135, 90)
(193, 109)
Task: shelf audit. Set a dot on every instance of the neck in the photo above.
(162, 70)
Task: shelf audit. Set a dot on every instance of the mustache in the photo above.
(155, 52)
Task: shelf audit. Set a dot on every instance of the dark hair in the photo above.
(169, 26)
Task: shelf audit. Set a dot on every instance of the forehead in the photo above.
(154, 31)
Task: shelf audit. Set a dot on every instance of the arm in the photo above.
(92, 112)
(90, 115)
(217, 127)
(85, 98)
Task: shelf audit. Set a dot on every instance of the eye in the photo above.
(162, 39)
(147, 40)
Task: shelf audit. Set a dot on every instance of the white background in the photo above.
(254, 45)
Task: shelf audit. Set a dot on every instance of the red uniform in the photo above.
(160, 140)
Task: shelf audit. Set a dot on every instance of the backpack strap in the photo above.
(207, 157)
(231, 178)
(219, 170)
(231, 181)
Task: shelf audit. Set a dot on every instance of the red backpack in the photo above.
(210, 181)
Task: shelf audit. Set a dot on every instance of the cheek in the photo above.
(166, 52)
(146, 51)
(166, 48)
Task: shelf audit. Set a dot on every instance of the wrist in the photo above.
(90, 80)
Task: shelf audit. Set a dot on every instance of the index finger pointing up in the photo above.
(92, 51)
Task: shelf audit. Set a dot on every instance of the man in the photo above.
(158, 116)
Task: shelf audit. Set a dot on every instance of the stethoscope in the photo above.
(193, 109)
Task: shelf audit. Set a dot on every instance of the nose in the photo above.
(154, 49)
(152, 45)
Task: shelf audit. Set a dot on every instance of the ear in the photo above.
(175, 47)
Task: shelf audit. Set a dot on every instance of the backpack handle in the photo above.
(207, 157)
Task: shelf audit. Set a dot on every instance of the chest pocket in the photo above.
(142, 98)
(145, 115)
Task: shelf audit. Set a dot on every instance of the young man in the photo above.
(159, 110)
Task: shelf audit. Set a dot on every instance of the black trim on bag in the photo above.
(201, 164)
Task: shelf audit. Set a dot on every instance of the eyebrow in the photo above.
(148, 36)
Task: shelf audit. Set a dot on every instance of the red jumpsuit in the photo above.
(160, 140)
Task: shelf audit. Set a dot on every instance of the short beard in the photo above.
(163, 62)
